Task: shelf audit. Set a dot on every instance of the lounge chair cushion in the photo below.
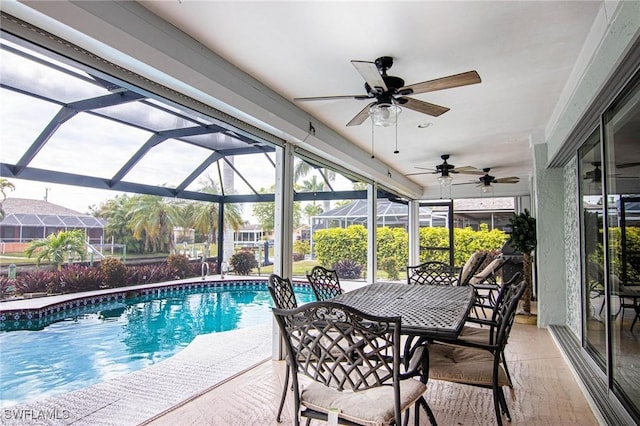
(487, 271)
(464, 365)
(469, 266)
(368, 407)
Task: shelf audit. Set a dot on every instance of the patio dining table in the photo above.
(431, 311)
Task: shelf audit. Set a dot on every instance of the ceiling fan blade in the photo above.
(468, 170)
(625, 165)
(419, 173)
(369, 71)
(465, 183)
(510, 179)
(361, 116)
(457, 80)
(423, 107)
(328, 98)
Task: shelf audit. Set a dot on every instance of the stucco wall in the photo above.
(550, 261)
(572, 247)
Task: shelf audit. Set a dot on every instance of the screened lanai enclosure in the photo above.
(73, 124)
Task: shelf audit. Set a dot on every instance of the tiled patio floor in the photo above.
(546, 393)
(191, 388)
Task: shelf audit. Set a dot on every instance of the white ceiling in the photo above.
(524, 53)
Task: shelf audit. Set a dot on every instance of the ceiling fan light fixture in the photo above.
(487, 189)
(384, 115)
(445, 180)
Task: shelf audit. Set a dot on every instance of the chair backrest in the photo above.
(488, 273)
(471, 267)
(505, 312)
(502, 297)
(324, 283)
(431, 273)
(341, 347)
(281, 292)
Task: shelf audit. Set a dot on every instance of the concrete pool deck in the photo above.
(131, 399)
(209, 361)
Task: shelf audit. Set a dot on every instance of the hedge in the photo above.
(336, 244)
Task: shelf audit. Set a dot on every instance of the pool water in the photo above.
(121, 338)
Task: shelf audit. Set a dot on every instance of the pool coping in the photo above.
(41, 311)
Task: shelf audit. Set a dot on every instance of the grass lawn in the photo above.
(300, 268)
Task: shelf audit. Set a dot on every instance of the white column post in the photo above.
(414, 232)
(372, 225)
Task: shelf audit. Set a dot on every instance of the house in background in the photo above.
(27, 220)
(471, 212)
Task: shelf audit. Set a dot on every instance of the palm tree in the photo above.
(56, 247)
(311, 210)
(303, 168)
(313, 186)
(4, 185)
(204, 215)
(152, 218)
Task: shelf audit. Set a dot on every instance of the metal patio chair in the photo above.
(431, 273)
(353, 363)
(283, 297)
(486, 283)
(480, 364)
(324, 283)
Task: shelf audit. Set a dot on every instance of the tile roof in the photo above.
(26, 206)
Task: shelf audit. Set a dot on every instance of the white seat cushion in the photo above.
(373, 406)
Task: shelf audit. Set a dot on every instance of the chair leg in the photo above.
(635, 319)
(506, 369)
(427, 409)
(405, 420)
(505, 408)
(497, 405)
(285, 389)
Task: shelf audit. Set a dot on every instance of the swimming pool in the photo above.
(122, 336)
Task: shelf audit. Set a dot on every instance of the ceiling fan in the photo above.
(445, 169)
(595, 175)
(389, 91)
(485, 181)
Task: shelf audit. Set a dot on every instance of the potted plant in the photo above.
(523, 239)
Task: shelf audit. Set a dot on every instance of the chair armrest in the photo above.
(486, 286)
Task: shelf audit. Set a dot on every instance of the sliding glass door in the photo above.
(622, 189)
(593, 283)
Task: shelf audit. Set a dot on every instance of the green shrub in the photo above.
(114, 272)
(392, 243)
(390, 266)
(336, 244)
(301, 247)
(243, 262)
